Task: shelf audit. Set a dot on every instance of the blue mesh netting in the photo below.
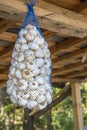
(30, 17)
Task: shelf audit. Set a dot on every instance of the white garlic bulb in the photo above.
(41, 99)
(18, 74)
(34, 94)
(13, 99)
(22, 84)
(33, 46)
(39, 53)
(41, 107)
(24, 47)
(40, 79)
(33, 85)
(48, 97)
(39, 62)
(21, 101)
(31, 104)
(21, 66)
(29, 75)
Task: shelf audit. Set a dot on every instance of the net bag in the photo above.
(29, 75)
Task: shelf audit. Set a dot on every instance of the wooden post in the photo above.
(76, 97)
(28, 121)
(49, 120)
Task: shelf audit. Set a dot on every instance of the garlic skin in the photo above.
(31, 66)
(12, 70)
(41, 99)
(34, 94)
(33, 46)
(31, 104)
(42, 89)
(23, 33)
(46, 63)
(13, 99)
(21, 101)
(29, 76)
(39, 40)
(21, 41)
(20, 57)
(39, 53)
(22, 84)
(46, 53)
(40, 79)
(41, 107)
(39, 62)
(48, 97)
(18, 74)
(24, 47)
(33, 85)
(29, 55)
(17, 47)
(9, 90)
(21, 66)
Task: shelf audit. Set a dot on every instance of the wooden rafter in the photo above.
(63, 70)
(70, 57)
(67, 45)
(51, 17)
(5, 25)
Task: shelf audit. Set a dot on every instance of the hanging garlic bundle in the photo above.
(29, 75)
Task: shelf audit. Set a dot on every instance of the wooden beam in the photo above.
(76, 74)
(3, 76)
(69, 68)
(5, 25)
(77, 106)
(70, 57)
(67, 45)
(51, 17)
(63, 79)
(7, 36)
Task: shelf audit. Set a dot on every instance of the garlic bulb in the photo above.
(39, 62)
(21, 66)
(41, 99)
(42, 106)
(33, 85)
(18, 74)
(39, 53)
(33, 46)
(29, 75)
(40, 79)
(22, 84)
(13, 99)
(34, 94)
(22, 101)
(31, 104)
(24, 47)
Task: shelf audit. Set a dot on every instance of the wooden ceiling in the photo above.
(65, 19)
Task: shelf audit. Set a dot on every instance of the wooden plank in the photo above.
(6, 26)
(51, 17)
(69, 68)
(70, 57)
(76, 74)
(67, 45)
(77, 106)
(65, 79)
(7, 36)
(3, 76)
(6, 51)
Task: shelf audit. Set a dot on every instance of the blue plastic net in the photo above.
(30, 17)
